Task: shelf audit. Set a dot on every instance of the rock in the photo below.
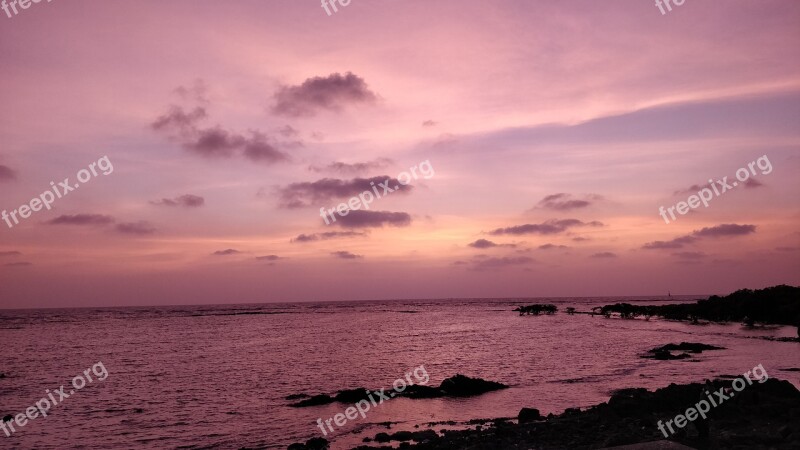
(296, 396)
(316, 400)
(382, 437)
(694, 347)
(419, 391)
(317, 444)
(402, 436)
(528, 415)
(8, 418)
(463, 386)
(351, 395)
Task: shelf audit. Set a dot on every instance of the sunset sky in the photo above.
(556, 131)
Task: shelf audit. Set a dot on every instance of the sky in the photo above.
(544, 136)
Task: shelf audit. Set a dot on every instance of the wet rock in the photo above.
(382, 437)
(321, 399)
(351, 395)
(528, 415)
(464, 386)
(296, 396)
(694, 347)
(311, 444)
(8, 418)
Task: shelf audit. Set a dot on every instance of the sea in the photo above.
(218, 376)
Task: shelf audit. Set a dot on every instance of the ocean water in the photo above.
(217, 376)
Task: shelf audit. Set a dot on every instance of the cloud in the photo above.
(6, 174)
(566, 202)
(18, 264)
(752, 183)
(196, 92)
(298, 195)
(332, 93)
(690, 255)
(327, 235)
(549, 227)
(258, 149)
(186, 201)
(216, 142)
(604, 255)
(724, 230)
(140, 228)
(429, 123)
(728, 229)
(268, 258)
(551, 246)
(226, 252)
(483, 263)
(484, 243)
(355, 168)
(81, 220)
(693, 189)
(10, 253)
(345, 255)
(179, 120)
(365, 219)
(580, 239)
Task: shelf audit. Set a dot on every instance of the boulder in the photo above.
(528, 415)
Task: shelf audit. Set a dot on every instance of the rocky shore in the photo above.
(764, 415)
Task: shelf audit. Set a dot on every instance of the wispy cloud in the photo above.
(331, 93)
(549, 227)
(186, 201)
(346, 255)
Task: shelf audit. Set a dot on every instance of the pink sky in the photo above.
(249, 104)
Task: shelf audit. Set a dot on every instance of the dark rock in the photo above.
(463, 386)
(296, 396)
(317, 444)
(351, 395)
(419, 391)
(316, 400)
(402, 436)
(694, 347)
(528, 415)
(8, 418)
(382, 437)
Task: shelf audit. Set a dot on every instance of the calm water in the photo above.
(211, 377)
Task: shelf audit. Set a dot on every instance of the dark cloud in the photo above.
(140, 228)
(176, 119)
(298, 195)
(18, 264)
(566, 202)
(322, 93)
(486, 263)
(327, 235)
(728, 229)
(258, 149)
(551, 246)
(674, 243)
(549, 227)
(81, 219)
(604, 255)
(429, 123)
(186, 201)
(484, 243)
(752, 183)
(226, 252)
(724, 230)
(345, 255)
(6, 174)
(355, 168)
(367, 219)
(216, 142)
(10, 253)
